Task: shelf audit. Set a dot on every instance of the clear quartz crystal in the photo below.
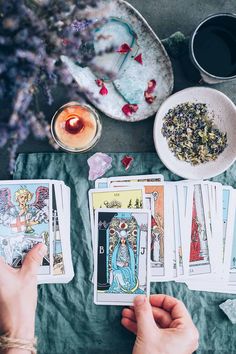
(229, 308)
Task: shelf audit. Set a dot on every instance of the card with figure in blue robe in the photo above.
(25, 214)
(121, 255)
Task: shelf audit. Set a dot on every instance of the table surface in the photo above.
(165, 17)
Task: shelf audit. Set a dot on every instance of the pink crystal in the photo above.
(99, 163)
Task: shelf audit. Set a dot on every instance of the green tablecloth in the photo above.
(67, 320)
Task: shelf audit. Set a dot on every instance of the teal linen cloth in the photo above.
(67, 319)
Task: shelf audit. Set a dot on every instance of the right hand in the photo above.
(162, 326)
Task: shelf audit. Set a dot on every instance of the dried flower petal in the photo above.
(103, 91)
(129, 109)
(124, 48)
(127, 161)
(150, 89)
(99, 163)
(148, 97)
(99, 82)
(151, 86)
(139, 59)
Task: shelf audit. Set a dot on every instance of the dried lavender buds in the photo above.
(191, 134)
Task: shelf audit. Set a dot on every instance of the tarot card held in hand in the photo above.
(24, 221)
(122, 251)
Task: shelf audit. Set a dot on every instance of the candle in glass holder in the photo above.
(76, 127)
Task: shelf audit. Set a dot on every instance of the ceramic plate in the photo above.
(156, 65)
(222, 110)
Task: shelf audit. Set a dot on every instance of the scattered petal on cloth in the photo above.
(99, 163)
(127, 161)
(229, 308)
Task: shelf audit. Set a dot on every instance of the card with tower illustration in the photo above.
(122, 251)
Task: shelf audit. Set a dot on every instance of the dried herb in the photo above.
(191, 133)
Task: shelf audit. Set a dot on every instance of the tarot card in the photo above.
(111, 198)
(177, 206)
(230, 245)
(25, 220)
(158, 200)
(63, 268)
(101, 183)
(196, 238)
(140, 178)
(185, 200)
(122, 251)
(58, 259)
(226, 196)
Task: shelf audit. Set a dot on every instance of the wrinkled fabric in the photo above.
(67, 319)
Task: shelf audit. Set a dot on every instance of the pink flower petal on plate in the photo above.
(99, 82)
(151, 86)
(124, 48)
(148, 97)
(129, 109)
(139, 59)
(103, 91)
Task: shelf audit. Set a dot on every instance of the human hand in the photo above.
(18, 295)
(162, 326)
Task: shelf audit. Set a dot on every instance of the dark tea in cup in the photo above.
(213, 47)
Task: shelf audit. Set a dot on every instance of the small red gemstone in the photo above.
(124, 48)
(127, 161)
(74, 125)
(139, 59)
(122, 226)
(103, 91)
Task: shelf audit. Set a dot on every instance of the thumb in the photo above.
(34, 259)
(144, 316)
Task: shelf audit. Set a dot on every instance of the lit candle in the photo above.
(76, 127)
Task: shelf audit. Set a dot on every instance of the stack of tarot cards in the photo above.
(147, 230)
(33, 211)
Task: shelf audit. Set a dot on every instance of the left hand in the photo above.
(18, 295)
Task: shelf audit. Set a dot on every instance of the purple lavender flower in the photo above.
(31, 43)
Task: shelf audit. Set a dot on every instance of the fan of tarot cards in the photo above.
(147, 230)
(33, 211)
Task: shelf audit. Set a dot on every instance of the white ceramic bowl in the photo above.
(224, 117)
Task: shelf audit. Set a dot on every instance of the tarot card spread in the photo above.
(192, 232)
(24, 221)
(121, 255)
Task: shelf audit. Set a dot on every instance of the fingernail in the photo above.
(139, 300)
(42, 251)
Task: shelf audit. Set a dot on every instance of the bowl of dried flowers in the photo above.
(194, 133)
